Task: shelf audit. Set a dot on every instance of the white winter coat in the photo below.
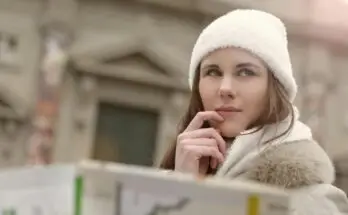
(295, 162)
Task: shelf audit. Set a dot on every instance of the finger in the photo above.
(207, 133)
(204, 151)
(200, 142)
(205, 142)
(200, 117)
(213, 152)
(213, 163)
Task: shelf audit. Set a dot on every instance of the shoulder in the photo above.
(319, 199)
(292, 164)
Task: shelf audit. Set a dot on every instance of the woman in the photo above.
(241, 122)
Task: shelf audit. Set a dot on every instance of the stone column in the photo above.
(53, 65)
(56, 37)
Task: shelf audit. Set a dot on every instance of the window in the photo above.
(125, 134)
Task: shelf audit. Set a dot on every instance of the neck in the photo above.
(229, 141)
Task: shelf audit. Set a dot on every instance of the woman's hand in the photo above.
(197, 147)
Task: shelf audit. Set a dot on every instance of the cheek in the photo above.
(208, 94)
(255, 102)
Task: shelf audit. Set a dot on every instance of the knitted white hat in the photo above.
(259, 32)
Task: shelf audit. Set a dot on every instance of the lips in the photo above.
(228, 111)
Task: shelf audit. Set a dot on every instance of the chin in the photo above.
(231, 129)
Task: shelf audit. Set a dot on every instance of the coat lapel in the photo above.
(248, 145)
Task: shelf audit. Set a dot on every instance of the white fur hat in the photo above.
(259, 32)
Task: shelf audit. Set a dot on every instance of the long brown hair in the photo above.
(278, 107)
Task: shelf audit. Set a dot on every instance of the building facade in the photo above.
(123, 85)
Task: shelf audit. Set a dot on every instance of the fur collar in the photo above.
(291, 165)
(292, 161)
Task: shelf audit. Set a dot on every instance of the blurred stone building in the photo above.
(124, 85)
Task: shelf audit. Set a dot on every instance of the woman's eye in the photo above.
(246, 72)
(213, 72)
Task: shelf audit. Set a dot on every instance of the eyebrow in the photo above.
(241, 65)
(210, 66)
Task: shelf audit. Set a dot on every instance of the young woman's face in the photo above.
(234, 83)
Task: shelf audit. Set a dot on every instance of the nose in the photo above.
(227, 88)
